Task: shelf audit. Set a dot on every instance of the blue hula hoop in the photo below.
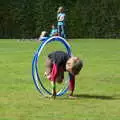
(35, 74)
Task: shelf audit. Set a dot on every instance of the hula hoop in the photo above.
(35, 72)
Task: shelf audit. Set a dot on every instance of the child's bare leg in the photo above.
(48, 67)
(53, 89)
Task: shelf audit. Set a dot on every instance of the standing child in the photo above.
(57, 63)
(61, 19)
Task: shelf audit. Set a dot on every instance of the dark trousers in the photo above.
(61, 31)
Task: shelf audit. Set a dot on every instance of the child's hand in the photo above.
(47, 75)
(71, 95)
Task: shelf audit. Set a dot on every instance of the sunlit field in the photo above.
(97, 93)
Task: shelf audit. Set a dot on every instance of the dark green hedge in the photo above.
(84, 18)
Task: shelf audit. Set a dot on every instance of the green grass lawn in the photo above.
(97, 86)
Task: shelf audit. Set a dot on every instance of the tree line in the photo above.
(84, 18)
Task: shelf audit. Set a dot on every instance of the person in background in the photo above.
(61, 21)
(54, 31)
(43, 36)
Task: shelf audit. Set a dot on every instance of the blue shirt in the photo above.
(61, 18)
(53, 32)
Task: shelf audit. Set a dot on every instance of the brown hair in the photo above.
(77, 66)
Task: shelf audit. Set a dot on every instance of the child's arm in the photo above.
(58, 17)
(71, 84)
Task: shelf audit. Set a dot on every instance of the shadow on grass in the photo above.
(88, 96)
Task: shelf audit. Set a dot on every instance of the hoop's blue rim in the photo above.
(35, 62)
(33, 70)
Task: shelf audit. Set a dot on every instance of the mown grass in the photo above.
(97, 86)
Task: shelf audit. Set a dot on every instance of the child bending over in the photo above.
(57, 63)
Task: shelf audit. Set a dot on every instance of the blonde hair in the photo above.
(43, 34)
(60, 9)
(77, 66)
